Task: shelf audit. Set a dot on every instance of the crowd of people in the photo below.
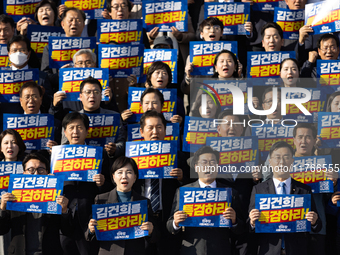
(73, 232)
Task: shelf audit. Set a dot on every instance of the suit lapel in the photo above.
(112, 197)
(270, 187)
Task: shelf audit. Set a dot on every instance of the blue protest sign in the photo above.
(62, 49)
(282, 213)
(76, 162)
(232, 15)
(8, 168)
(329, 129)
(104, 129)
(290, 21)
(167, 56)
(120, 221)
(237, 154)
(35, 193)
(35, 129)
(196, 130)
(202, 55)
(155, 159)
(38, 35)
(122, 60)
(120, 31)
(12, 81)
(312, 171)
(71, 78)
(165, 14)
(204, 207)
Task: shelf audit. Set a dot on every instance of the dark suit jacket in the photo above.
(295, 243)
(51, 224)
(206, 241)
(124, 247)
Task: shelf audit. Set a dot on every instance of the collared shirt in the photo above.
(203, 185)
(37, 113)
(24, 68)
(278, 188)
(147, 191)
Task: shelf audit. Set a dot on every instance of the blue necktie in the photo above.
(155, 199)
(283, 191)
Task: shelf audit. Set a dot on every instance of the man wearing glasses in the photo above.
(35, 233)
(19, 52)
(281, 161)
(90, 97)
(328, 49)
(202, 241)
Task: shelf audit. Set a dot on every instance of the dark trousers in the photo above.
(76, 244)
(316, 244)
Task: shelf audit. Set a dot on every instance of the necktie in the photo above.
(155, 199)
(207, 187)
(283, 191)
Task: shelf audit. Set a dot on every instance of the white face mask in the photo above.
(18, 58)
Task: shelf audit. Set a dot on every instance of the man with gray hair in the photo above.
(83, 58)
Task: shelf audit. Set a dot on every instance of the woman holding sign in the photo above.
(124, 173)
(46, 14)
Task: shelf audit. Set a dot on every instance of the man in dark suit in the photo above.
(35, 233)
(80, 194)
(281, 160)
(203, 241)
(152, 128)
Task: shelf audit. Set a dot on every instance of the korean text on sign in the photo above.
(120, 221)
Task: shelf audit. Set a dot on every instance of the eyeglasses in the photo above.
(32, 170)
(116, 6)
(206, 162)
(332, 48)
(82, 63)
(20, 50)
(28, 97)
(216, 27)
(89, 92)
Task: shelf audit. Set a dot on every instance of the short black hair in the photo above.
(151, 114)
(305, 125)
(204, 150)
(211, 21)
(31, 84)
(235, 73)
(152, 90)
(76, 116)
(7, 19)
(19, 38)
(290, 59)
(38, 156)
(278, 145)
(82, 13)
(109, 6)
(272, 25)
(229, 112)
(43, 2)
(121, 162)
(270, 89)
(90, 80)
(325, 37)
(155, 66)
(18, 140)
